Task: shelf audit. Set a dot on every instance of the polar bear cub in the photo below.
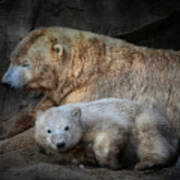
(117, 132)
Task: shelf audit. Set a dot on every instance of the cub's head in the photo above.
(58, 129)
(35, 60)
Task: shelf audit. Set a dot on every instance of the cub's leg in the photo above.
(157, 143)
(107, 146)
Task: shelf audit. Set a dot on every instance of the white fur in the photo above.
(112, 125)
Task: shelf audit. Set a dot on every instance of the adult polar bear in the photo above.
(72, 66)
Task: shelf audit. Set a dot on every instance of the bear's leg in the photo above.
(25, 120)
(107, 146)
(21, 141)
(153, 149)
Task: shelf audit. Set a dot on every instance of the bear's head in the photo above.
(35, 61)
(59, 129)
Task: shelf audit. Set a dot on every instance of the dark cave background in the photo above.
(152, 23)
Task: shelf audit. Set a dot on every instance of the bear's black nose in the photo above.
(60, 145)
(6, 85)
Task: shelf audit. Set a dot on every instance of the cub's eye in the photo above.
(49, 131)
(66, 128)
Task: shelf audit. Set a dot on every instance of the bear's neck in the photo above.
(68, 83)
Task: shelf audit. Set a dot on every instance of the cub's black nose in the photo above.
(60, 145)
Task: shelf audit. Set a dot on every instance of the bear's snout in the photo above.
(13, 77)
(5, 83)
(6, 79)
(60, 145)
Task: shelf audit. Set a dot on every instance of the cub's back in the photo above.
(107, 110)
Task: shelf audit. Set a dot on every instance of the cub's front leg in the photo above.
(108, 145)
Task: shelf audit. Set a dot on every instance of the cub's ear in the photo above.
(38, 119)
(39, 114)
(76, 112)
(58, 48)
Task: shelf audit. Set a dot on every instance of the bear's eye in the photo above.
(25, 64)
(49, 131)
(66, 128)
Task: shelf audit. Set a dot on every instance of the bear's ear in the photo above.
(76, 113)
(58, 48)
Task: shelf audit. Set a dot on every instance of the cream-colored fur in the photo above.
(69, 66)
(117, 131)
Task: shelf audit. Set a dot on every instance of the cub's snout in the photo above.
(60, 145)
